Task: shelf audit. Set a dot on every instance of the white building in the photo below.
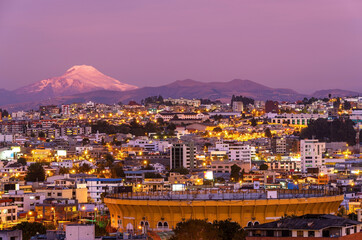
(8, 212)
(24, 201)
(294, 119)
(311, 154)
(150, 145)
(6, 138)
(236, 152)
(65, 163)
(238, 106)
(97, 186)
(183, 156)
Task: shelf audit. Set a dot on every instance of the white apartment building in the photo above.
(64, 163)
(185, 116)
(183, 155)
(238, 106)
(236, 152)
(311, 154)
(149, 145)
(183, 101)
(8, 212)
(97, 186)
(24, 201)
(294, 119)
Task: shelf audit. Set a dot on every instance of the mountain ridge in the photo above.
(59, 90)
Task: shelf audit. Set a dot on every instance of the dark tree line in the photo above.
(201, 229)
(338, 130)
(135, 128)
(4, 113)
(152, 100)
(246, 101)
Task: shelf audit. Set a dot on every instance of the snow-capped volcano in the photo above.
(77, 79)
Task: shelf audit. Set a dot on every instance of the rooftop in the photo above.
(218, 194)
(307, 222)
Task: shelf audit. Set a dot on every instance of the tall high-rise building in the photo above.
(311, 154)
(238, 106)
(183, 156)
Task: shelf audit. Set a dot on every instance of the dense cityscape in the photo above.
(139, 170)
(180, 120)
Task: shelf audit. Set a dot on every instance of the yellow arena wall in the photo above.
(129, 213)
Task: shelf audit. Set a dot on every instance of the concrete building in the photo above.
(24, 201)
(79, 232)
(306, 227)
(98, 186)
(8, 212)
(79, 194)
(183, 155)
(238, 106)
(311, 154)
(11, 234)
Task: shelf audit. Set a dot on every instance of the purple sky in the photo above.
(305, 45)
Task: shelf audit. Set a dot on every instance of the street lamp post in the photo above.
(95, 214)
(53, 209)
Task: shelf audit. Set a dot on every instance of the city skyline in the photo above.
(303, 46)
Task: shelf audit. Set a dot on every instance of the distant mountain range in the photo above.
(85, 83)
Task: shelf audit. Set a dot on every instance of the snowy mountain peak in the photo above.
(82, 68)
(77, 79)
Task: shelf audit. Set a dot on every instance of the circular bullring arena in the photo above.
(161, 211)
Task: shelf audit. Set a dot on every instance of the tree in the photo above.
(152, 175)
(41, 134)
(253, 122)
(268, 133)
(84, 168)
(85, 141)
(181, 170)
(117, 171)
(235, 173)
(217, 129)
(229, 230)
(263, 167)
(35, 173)
(63, 170)
(30, 229)
(108, 159)
(339, 130)
(347, 105)
(195, 229)
(22, 161)
(100, 230)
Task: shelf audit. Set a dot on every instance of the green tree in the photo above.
(263, 167)
(117, 171)
(30, 229)
(100, 230)
(268, 133)
(152, 175)
(195, 229)
(253, 122)
(84, 168)
(235, 173)
(35, 173)
(181, 170)
(22, 161)
(41, 134)
(85, 141)
(339, 130)
(63, 170)
(229, 230)
(108, 160)
(217, 129)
